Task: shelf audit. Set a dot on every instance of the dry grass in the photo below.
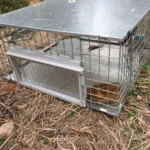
(31, 2)
(43, 122)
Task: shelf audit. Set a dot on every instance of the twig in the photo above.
(130, 140)
(113, 135)
(148, 146)
(6, 141)
(7, 108)
(74, 148)
(139, 145)
(67, 109)
(14, 146)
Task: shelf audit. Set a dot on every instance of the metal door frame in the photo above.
(60, 61)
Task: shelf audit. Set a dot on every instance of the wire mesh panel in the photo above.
(88, 70)
(110, 66)
(37, 70)
(50, 77)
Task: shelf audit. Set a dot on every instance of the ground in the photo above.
(43, 122)
(34, 1)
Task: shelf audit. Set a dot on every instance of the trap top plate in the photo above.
(106, 18)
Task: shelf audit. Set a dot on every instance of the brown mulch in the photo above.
(43, 122)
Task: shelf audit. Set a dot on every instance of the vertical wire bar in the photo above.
(16, 36)
(44, 77)
(13, 73)
(9, 30)
(124, 65)
(119, 62)
(126, 60)
(12, 37)
(40, 75)
(22, 73)
(48, 37)
(81, 56)
(6, 37)
(64, 46)
(90, 58)
(39, 70)
(34, 38)
(16, 67)
(119, 71)
(49, 72)
(42, 42)
(23, 43)
(29, 43)
(81, 60)
(99, 58)
(131, 59)
(43, 74)
(136, 45)
(72, 49)
(55, 37)
(47, 68)
(108, 92)
(27, 70)
(36, 72)
(139, 49)
(90, 69)
(124, 72)
(31, 72)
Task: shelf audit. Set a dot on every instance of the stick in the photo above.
(6, 141)
(130, 140)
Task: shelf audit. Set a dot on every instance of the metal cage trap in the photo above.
(86, 53)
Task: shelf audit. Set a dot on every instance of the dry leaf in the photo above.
(93, 47)
(24, 142)
(81, 131)
(62, 37)
(143, 87)
(142, 70)
(51, 140)
(139, 97)
(20, 107)
(10, 87)
(6, 129)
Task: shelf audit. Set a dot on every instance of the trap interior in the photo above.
(100, 64)
(109, 18)
(102, 61)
